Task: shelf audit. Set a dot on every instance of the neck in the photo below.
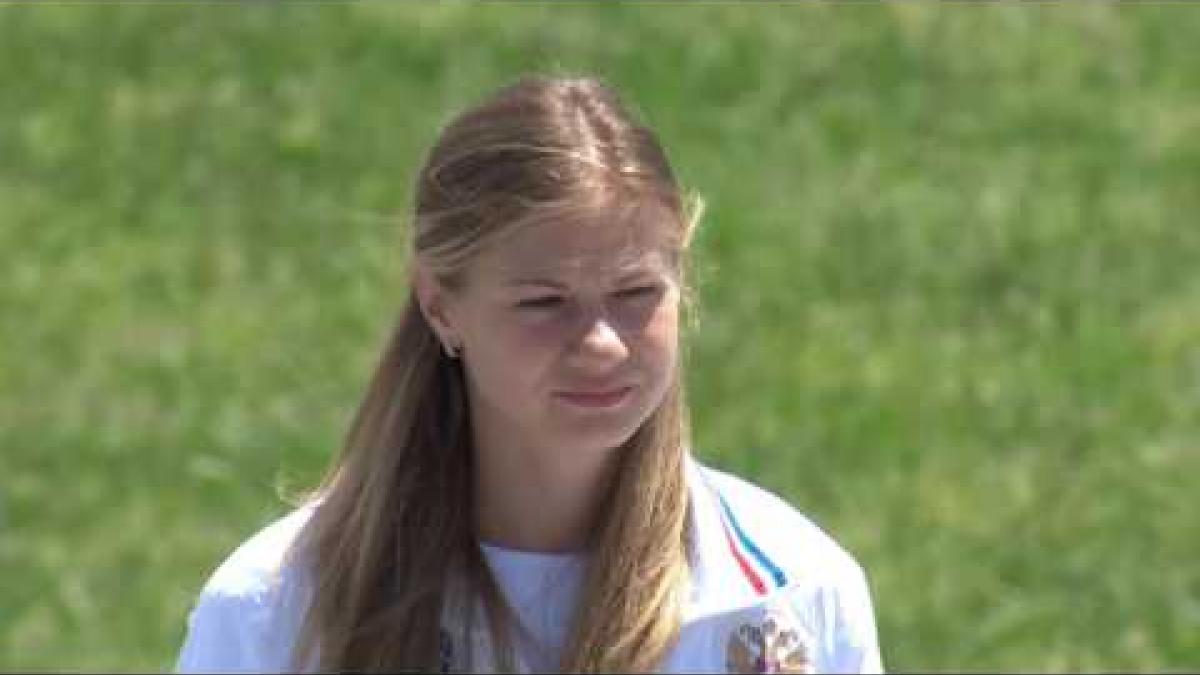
(539, 499)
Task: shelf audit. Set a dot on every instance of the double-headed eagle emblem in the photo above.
(771, 646)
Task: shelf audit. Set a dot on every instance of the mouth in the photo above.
(595, 399)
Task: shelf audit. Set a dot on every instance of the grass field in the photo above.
(949, 282)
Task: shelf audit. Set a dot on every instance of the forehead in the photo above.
(558, 248)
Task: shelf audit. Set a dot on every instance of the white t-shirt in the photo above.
(770, 592)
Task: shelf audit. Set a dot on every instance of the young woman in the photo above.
(516, 491)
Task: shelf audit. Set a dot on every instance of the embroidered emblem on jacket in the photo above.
(767, 647)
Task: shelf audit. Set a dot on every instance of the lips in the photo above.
(595, 398)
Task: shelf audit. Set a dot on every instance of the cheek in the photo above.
(510, 351)
(660, 337)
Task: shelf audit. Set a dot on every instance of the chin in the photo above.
(599, 435)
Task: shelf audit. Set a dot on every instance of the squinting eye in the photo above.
(637, 292)
(544, 302)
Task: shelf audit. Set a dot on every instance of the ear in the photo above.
(432, 298)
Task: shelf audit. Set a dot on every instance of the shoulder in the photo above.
(247, 614)
(786, 538)
(258, 565)
(786, 566)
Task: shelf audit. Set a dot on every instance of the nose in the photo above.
(601, 341)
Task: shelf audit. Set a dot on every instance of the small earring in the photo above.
(451, 352)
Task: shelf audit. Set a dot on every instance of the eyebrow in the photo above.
(632, 273)
(536, 282)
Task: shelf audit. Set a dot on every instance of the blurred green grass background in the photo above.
(950, 304)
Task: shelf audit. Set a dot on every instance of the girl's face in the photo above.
(568, 334)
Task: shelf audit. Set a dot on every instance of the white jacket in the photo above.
(770, 592)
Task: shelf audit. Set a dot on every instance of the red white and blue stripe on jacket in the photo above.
(756, 566)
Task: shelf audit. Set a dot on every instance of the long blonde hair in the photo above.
(396, 521)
